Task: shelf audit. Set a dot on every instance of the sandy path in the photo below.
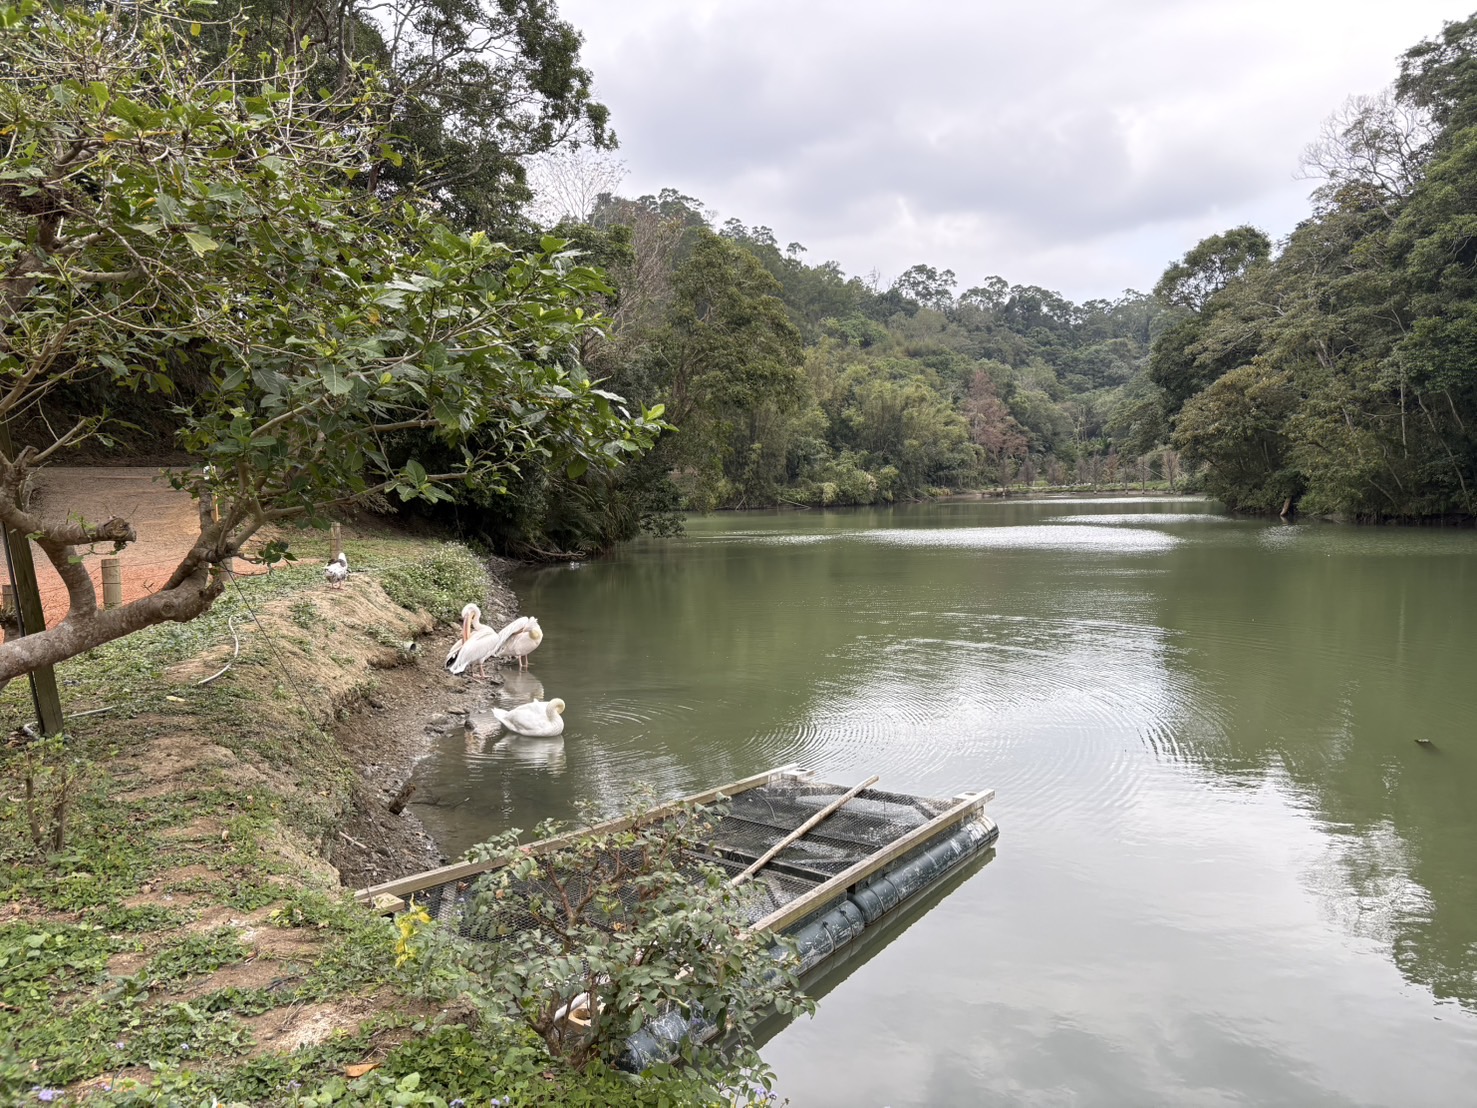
(166, 520)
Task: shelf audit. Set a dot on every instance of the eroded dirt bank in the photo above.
(231, 779)
(385, 732)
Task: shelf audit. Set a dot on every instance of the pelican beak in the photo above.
(466, 628)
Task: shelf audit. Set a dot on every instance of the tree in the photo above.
(183, 227)
(1236, 428)
(1377, 145)
(991, 426)
(1211, 265)
(927, 286)
(728, 350)
(1439, 75)
(570, 184)
(472, 89)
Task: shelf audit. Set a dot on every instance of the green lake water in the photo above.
(1227, 873)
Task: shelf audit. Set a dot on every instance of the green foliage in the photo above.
(1213, 264)
(1235, 429)
(440, 583)
(185, 222)
(588, 943)
(1340, 373)
(197, 954)
(36, 962)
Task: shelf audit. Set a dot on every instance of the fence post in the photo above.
(112, 583)
(335, 540)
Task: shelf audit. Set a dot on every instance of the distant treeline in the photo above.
(792, 383)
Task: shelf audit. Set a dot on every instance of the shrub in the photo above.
(621, 929)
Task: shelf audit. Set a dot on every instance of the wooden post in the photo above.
(32, 617)
(335, 540)
(397, 805)
(112, 583)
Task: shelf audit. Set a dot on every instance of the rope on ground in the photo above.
(231, 626)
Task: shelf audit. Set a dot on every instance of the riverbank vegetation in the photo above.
(171, 930)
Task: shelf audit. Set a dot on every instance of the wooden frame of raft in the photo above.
(404, 886)
(389, 896)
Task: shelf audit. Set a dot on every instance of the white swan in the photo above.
(337, 571)
(475, 646)
(537, 718)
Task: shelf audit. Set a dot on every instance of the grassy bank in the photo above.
(186, 941)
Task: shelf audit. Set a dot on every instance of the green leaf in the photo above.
(577, 468)
(201, 244)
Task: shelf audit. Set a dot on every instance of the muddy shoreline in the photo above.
(387, 732)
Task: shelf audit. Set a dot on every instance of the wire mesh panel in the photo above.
(756, 821)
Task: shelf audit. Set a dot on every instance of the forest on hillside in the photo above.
(1330, 372)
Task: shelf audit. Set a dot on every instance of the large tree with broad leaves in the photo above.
(170, 212)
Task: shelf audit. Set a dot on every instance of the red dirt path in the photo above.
(166, 520)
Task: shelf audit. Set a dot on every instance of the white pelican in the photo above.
(338, 571)
(537, 719)
(475, 646)
(519, 639)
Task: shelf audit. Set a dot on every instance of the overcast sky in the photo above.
(1073, 144)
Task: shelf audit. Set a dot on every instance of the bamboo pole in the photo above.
(417, 882)
(763, 859)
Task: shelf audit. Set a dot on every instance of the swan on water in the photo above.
(537, 718)
(337, 571)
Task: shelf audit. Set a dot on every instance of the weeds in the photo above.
(440, 584)
(197, 954)
(49, 779)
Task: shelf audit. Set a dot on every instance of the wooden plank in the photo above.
(415, 883)
(764, 858)
(803, 905)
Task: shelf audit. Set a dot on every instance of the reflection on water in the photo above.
(1227, 872)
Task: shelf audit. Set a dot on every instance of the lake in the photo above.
(1228, 873)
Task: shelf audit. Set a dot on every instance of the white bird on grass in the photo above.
(475, 646)
(537, 719)
(337, 572)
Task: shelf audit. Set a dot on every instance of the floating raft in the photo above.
(816, 861)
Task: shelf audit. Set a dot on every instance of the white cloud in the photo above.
(1074, 144)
